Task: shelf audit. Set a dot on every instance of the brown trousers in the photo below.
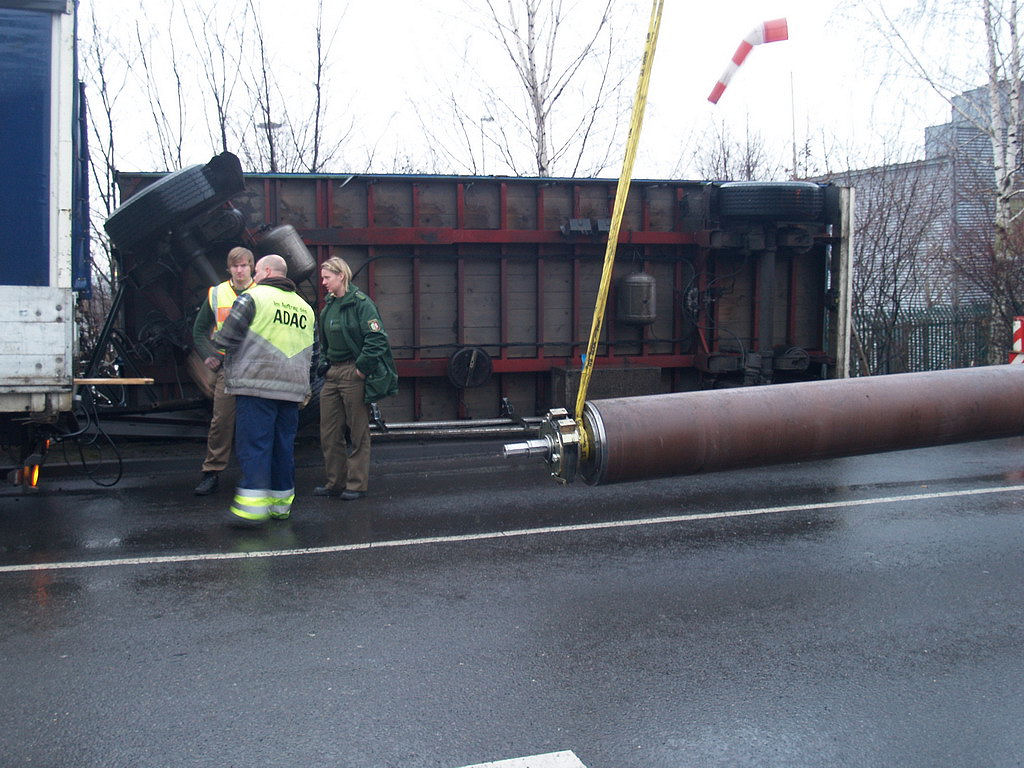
(222, 428)
(341, 406)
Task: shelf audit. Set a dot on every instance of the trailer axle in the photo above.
(636, 438)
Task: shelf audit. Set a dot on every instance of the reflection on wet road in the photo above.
(863, 611)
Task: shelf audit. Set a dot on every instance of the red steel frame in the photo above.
(323, 237)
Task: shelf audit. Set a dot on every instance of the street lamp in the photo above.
(483, 154)
(269, 126)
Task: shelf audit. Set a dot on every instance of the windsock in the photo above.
(769, 32)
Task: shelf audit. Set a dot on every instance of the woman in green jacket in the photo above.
(354, 344)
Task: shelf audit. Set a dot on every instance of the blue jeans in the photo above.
(265, 442)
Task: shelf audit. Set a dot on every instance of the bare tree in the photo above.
(994, 267)
(530, 42)
(219, 56)
(559, 109)
(308, 138)
(241, 95)
(263, 90)
(168, 121)
(103, 66)
(452, 144)
(990, 29)
(901, 255)
(720, 155)
(283, 134)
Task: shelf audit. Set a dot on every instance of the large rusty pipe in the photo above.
(634, 438)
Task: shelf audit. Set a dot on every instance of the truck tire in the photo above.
(174, 199)
(764, 200)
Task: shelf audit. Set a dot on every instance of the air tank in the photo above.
(286, 242)
(636, 299)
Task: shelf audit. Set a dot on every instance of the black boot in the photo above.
(208, 484)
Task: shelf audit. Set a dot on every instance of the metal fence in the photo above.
(921, 340)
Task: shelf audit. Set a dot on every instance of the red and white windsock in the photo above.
(769, 32)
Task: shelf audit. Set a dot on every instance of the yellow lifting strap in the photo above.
(621, 192)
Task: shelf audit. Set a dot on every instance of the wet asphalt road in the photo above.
(876, 619)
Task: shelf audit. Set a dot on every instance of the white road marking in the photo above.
(565, 759)
(338, 548)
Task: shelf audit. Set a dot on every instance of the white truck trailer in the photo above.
(42, 222)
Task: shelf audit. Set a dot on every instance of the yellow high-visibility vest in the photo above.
(220, 298)
(283, 319)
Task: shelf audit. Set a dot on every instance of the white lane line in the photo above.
(566, 759)
(170, 559)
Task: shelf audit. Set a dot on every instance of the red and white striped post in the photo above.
(1017, 355)
(768, 32)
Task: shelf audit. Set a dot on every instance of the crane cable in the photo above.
(621, 192)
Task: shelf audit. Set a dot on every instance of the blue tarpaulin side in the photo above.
(25, 58)
(56, 6)
(81, 258)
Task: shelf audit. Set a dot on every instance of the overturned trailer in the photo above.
(487, 284)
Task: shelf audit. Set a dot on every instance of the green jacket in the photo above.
(351, 331)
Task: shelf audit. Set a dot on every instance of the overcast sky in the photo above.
(390, 54)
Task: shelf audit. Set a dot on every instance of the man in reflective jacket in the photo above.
(268, 341)
(211, 317)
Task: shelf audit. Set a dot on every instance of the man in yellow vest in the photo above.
(268, 342)
(211, 317)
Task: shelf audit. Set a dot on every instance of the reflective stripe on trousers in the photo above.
(262, 504)
(281, 506)
(251, 505)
